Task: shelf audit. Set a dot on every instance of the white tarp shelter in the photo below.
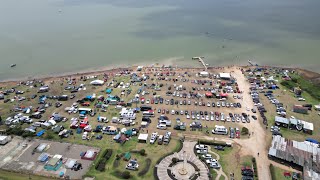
(97, 82)
(225, 75)
(143, 138)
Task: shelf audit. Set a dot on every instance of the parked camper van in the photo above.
(220, 130)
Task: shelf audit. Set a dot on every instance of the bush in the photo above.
(101, 165)
(272, 171)
(208, 142)
(244, 131)
(254, 163)
(27, 134)
(126, 175)
(146, 168)
(288, 84)
(142, 152)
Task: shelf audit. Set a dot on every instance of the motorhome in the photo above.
(220, 130)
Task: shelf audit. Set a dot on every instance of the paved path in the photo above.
(219, 171)
(189, 155)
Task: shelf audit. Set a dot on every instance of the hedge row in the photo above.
(215, 143)
(255, 169)
(146, 168)
(272, 171)
(101, 165)
(123, 175)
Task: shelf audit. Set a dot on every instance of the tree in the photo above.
(244, 131)
(142, 152)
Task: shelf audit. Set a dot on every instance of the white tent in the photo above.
(143, 138)
(225, 75)
(97, 82)
(204, 74)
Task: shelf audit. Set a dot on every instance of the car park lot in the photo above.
(23, 158)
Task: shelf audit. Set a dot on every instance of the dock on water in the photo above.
(200, 59)
(252, 63)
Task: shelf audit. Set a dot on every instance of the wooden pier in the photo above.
(200, 59)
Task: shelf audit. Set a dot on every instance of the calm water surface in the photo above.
(55, 36)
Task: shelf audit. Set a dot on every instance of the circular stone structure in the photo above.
(183, 171)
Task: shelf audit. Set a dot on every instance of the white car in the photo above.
(207, 156)
(193, 117)
(188, 116)
(218, 104)
(301, 99)
(228, 119)
(209, 161)
(212, 118)
(202, 118)
(147, 101)
(207, 118)
(173, 112)
(208, 104)
(162, 126)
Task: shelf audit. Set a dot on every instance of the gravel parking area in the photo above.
(27, 162)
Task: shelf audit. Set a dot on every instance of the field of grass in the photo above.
(277, 173)
(6, 175)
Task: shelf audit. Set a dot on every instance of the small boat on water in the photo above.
(13, 65)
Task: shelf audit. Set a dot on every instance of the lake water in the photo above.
(46, 37)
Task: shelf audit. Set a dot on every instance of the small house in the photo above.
(143, 138)
(204, 74)
(300, 109)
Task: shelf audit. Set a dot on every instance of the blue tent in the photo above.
(40, 133)
(109, 90)
(79, 131)
(89, 97)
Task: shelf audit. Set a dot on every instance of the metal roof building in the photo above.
(305, 154)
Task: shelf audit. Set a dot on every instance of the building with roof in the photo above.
(300, 109)
(305, 155)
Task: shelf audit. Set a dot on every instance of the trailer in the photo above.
(4, 139)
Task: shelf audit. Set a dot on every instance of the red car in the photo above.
(86, 104)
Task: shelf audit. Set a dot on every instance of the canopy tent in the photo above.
(127, 156)
(223, 94)
(209, 94)
(225, 75)
(143, 138)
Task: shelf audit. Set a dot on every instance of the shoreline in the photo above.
(117, 68)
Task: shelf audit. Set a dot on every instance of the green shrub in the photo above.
(101, 165)
(146, 168)
(142, 152)
(126, 175)
(215, 143)
(244, 131)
